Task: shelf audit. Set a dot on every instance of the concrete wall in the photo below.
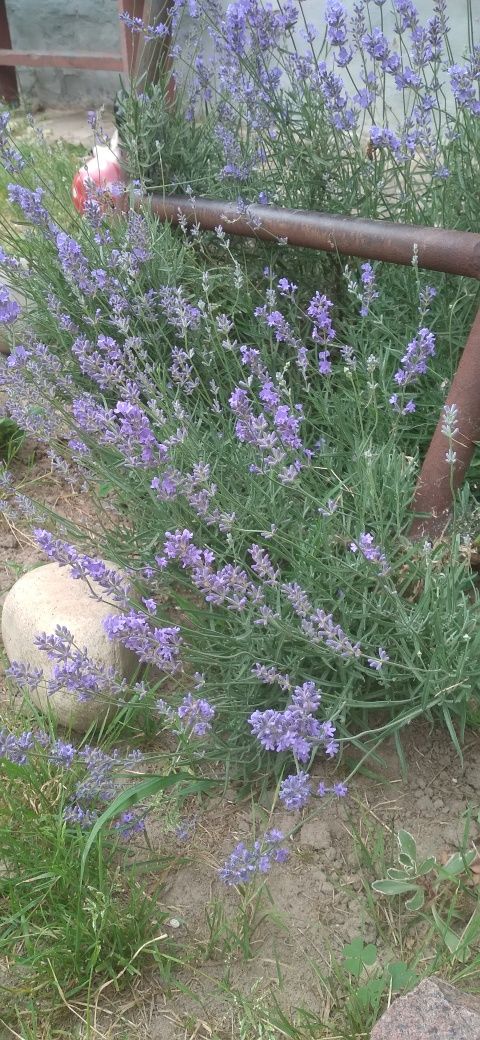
(93, 25)
(65, 25)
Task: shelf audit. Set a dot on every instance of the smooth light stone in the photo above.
(39, 601)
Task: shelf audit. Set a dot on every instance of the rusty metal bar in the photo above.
(437, 249)
(433, 494)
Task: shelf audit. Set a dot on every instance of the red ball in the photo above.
(102, 170)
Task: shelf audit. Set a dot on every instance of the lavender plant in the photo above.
(258, 491)
(345, 119)
(257, 444)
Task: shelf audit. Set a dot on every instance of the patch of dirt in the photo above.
(318, 899)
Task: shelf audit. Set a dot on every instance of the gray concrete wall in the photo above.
(65, 25)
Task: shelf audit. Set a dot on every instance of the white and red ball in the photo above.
(102, 171)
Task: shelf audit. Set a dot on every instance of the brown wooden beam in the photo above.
(38, 59)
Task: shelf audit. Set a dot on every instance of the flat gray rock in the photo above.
(434, 1010)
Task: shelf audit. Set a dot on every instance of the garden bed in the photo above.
(243, 969)
(238, 428)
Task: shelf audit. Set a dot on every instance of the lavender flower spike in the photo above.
(295, 791)
(366, 546)
(244, 864)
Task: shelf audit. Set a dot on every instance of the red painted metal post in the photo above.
(8, 76)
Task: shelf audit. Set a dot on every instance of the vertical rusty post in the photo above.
(130, 41)
(433, 494)
(141, 60)
(8, 76)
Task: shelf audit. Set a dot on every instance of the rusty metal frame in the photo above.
(435, 249)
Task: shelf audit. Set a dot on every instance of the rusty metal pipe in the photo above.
(437, 249)
(453, 252)
(433, 494)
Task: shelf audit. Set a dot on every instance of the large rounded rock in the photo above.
(39, 601)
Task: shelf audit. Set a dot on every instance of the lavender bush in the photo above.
(350, 119)
(250, 439)
(256, 471)
(248, 425)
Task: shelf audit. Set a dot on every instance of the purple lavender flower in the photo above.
(129, 824)
(369, 292)
(74, 670)
(61, 754)
(340, 790)
(286, 288)
(74, 263)
(83, 566)
(151, 644)
(294, 729)
(24, 675)
(270, 676)
(382, 137)
(262, 565)
(464, 81)
(9, 308)
(307, 697)
(178, 312)
(377, 662)
(336, 19)
(373, 553)
(319, 311)
(15, 749)
(401, 409)
(320, 627)
(414, 361)
(324, 363)
(195, 715)
(295, 790)
(244, 864)
(31, 204)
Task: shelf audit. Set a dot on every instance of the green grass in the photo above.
(62, 939)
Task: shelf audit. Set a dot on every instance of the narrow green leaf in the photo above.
(449, 937)
(137, 793)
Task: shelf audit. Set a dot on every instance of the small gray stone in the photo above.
(434, 1010)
